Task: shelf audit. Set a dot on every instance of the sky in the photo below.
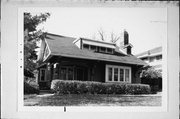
(147, 27)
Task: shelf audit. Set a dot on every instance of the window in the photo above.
(151, 59)
(93, 48)
(109, 50)
(118, 73)
(159, 57)
(127, 75)
(109, 74)
(70, 73)
(115, 74)
(85, 46)
(121, 74)
(66, 73)
(102, 49)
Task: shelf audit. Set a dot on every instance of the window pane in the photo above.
(63, 73)
(127, 75)
(109, 50)
(85, 46)
(102, 49)
(121, 74)
(93, 48)
(70, 73)
(109, 74)
(115, 74)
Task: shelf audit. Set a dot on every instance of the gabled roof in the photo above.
(64, 46)
(151, 52)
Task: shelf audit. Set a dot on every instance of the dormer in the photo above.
(95, 46)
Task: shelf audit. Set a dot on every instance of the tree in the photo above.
(150, 73)
(102, 34)
(113, 37)
(31, 36)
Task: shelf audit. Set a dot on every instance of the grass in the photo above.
(91, 100)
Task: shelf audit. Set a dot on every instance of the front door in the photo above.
(43, 82)
(42, 74)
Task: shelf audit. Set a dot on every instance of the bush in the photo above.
(31, 88)
(152, 77)
(88, 87)
(151, 73)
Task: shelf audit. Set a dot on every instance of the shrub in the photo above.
(152, 77)
(31, 88)
(89, 87)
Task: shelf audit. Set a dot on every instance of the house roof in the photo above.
(152, 52)
(64, 46)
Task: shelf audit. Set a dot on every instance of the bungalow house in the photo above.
(68, 58)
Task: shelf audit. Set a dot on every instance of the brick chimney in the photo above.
(125, 45)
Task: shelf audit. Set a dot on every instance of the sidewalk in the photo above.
(44, 93)
(144, 95)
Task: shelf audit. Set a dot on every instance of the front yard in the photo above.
(92, 100)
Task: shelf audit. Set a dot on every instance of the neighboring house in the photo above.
(68, 58)
(153, 57)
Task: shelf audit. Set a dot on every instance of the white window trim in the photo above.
(41, 74)
(119, 67)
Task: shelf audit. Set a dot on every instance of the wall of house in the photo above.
(135, 72)
(95, 69)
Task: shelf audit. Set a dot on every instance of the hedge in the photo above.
(89, 87)
(31, 88)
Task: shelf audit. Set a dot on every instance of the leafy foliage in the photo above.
(31, 36)
(31, 22)
(89, 87)
(151, 73)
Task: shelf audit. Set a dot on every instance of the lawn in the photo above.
(91, 100)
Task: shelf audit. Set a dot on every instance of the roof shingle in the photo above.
(63, 46)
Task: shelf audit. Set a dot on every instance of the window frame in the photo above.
(95, 48)
(102, 51)
(67, 72)
(85, 47)
(119, 67)
(110, 52)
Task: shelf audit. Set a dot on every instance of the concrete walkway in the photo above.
(44, 93)
(142, 95)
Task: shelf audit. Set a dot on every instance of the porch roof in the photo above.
(63, 46)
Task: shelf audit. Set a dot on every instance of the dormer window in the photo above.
(102, 49)
(86, 46)
(109, 50)
(95, 46)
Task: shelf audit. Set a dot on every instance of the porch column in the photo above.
(56, 71)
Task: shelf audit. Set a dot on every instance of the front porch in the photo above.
(63, 68)
(70, 69)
